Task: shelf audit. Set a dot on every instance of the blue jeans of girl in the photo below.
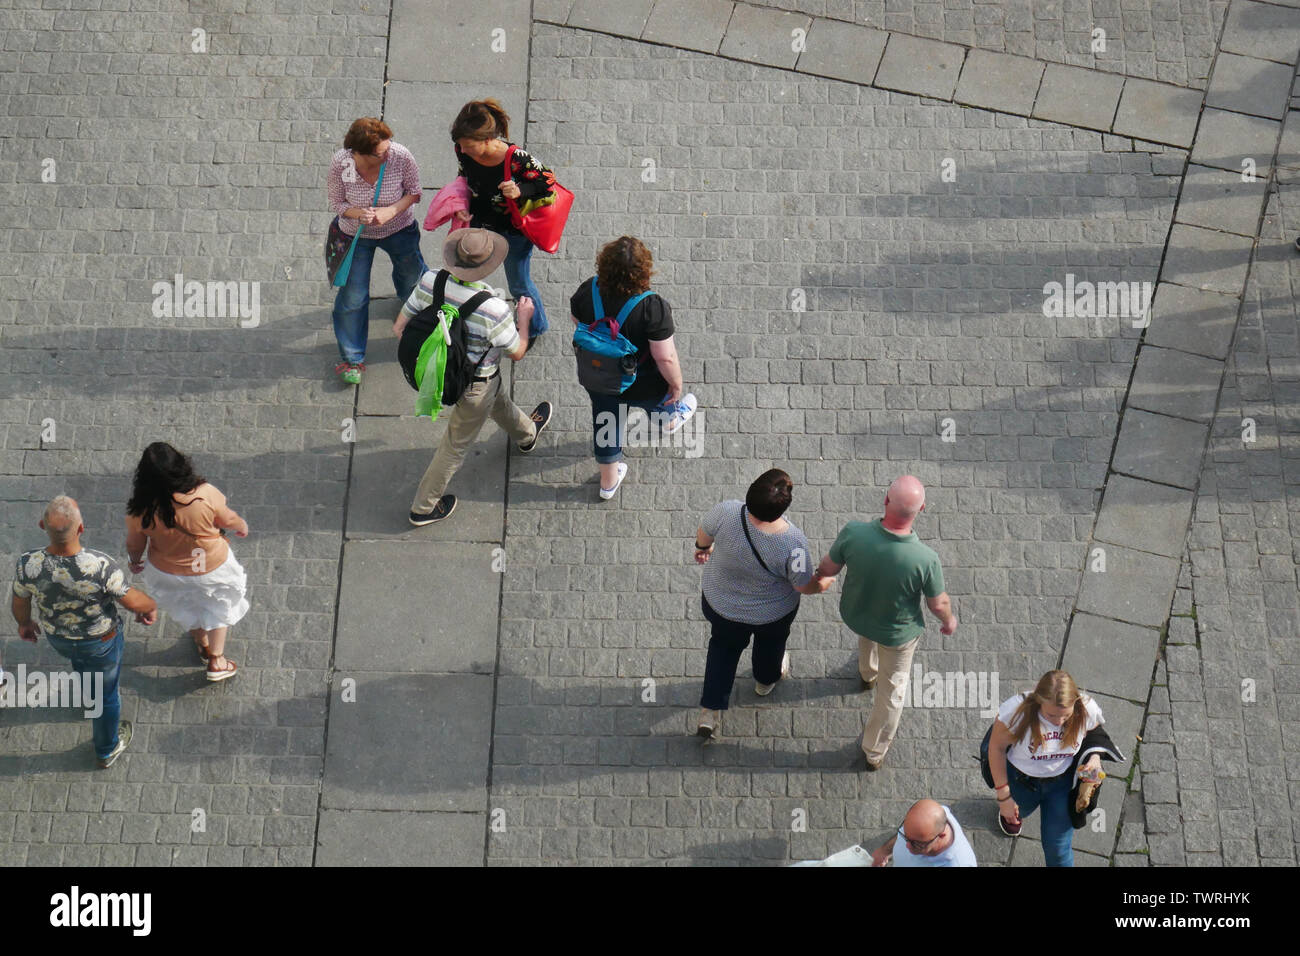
(1052, 796)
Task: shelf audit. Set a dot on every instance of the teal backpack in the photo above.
(607, 362)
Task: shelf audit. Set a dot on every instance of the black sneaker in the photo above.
(1297, 243)
(123, 738)
(443, 509)
(541, 418)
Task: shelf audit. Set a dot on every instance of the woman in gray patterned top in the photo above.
(756, 564)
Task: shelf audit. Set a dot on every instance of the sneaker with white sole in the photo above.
(607, 493)
(678, 414)
(762, 690)
(123, 738)
(710, 724)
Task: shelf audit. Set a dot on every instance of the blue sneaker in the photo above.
(677, 415)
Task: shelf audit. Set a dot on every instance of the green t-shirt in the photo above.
(886, 575)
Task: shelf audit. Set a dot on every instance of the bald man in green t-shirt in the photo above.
(890, 571)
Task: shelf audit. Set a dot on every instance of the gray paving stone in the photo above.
(626, 18)
(689, 24)
(1192, 320)
(1078, 97)
(1203, 259)
(1224, 140)
(842, 51)
(1000, 82)
(1159, 448)
(1217, 199)
(1288, 150)
(1144, 516)
(391, 455)
(409, 742)
(372, 838)
(421, 40)
(1157, 112)
(1177, 383)
(765, 36)
(1111, 657)
(438, 601)
(1247, 85)
(1262, 30)
(923, 67)
(1135, 587)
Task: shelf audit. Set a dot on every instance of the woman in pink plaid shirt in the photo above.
(389, 225)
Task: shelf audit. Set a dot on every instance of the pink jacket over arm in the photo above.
(451, 198)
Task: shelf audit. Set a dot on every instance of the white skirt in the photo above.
(206, 601)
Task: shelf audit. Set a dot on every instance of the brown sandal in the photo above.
(223, 673)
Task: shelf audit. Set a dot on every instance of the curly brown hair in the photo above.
(624, 268)
(481, 120)
(365, 135)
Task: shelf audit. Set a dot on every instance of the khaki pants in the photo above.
(889, 666)
(480, 401)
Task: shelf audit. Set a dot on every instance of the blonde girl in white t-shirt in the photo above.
(1031, 751)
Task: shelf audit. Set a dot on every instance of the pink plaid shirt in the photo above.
(347, 189)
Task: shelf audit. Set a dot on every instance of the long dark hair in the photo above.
(162, 472)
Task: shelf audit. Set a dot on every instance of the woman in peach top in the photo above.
(191, 570)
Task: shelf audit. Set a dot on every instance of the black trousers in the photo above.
(728, 641)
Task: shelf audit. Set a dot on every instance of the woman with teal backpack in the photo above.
(626, 354)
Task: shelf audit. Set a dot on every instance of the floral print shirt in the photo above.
(488, 206)
(75, 595)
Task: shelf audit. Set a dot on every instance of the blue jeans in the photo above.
(1053, 795)
(609, 425)
(99, 657)
(520, 281)
(352, 304)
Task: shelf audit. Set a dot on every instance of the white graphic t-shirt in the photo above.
(1054, 758)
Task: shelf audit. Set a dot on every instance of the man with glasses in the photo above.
(929, 836)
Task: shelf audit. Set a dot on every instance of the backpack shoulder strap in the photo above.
(467, 308)
(597, 306)
(440, 288)
(629, 305)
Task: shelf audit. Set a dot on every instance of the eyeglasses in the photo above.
(918, 846)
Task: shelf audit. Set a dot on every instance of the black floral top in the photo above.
(486, 204)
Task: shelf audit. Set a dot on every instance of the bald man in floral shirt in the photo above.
(76, 591)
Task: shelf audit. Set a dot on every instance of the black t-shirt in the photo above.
(651, 320)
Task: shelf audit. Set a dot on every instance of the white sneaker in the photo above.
(607, 493)
(762, 690)
(682, 413)
(710, 724)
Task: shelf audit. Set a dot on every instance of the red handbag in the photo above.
(544, 225)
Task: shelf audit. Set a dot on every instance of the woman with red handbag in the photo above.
(500, 201)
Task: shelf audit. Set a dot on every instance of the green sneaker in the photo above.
(350, 372)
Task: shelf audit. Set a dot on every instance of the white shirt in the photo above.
(1054, 758)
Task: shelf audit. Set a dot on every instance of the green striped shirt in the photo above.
(490, 329)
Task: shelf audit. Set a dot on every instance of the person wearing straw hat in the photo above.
(469, 256)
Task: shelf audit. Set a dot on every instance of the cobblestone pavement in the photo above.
(922, 303)
(169, 161)
(1167, 40)
(1228, 757)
